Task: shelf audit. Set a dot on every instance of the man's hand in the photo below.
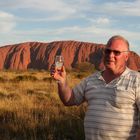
(58, 74)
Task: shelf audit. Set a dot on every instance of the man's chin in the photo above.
(110, 67)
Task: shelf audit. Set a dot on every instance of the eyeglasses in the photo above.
(115, 52)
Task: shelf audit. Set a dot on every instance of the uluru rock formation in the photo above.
(36, 55)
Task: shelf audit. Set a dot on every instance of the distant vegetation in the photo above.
(82, 70)
(30, 108)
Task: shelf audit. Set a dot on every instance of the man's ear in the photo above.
(127, 56)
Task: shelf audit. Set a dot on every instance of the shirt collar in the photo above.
(99, 73)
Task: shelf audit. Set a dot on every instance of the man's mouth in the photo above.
(109, 61)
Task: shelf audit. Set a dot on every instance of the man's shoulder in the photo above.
(133, 73)
(95, 75)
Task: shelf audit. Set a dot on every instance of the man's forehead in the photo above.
(118, 44)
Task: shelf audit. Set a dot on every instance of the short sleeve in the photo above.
(79, 92)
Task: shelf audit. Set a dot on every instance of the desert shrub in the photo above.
(25, 78)
(82, 70)
(2, 79)
(10, 96)
(48, 79)
(80, 75)
(84, 67)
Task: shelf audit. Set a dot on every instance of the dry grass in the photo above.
(30, 108)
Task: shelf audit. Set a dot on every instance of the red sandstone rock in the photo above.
(35, 55)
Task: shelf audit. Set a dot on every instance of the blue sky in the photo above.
(82, 20)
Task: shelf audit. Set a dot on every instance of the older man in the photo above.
(113, 95)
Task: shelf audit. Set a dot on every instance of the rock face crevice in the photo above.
(36, 55)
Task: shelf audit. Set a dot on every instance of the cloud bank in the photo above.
(83, 20)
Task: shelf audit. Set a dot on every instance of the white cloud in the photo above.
(67, 8)
(7, 22)
(53, 9)
(103, 21)
(92, 31)
(122, 8)
(90, 34)
(76, 15)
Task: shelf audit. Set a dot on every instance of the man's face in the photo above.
(116, 56)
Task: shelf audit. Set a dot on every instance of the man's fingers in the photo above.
(56, 73)
(63, 68)
(52, 70)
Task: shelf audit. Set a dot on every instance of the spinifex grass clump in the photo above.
(25, 78)
(30, 109)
